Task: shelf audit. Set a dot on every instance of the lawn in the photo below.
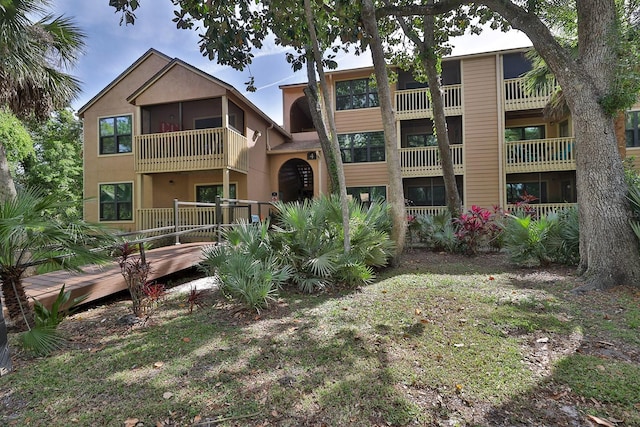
(440, 340)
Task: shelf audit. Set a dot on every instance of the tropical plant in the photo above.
(246, 266)
(135, 271)
(437, 231)
(61, 307)
(31, 237)
(43, 338)
(563, 241)
(308, 237)
(478, 227)
(526, 239)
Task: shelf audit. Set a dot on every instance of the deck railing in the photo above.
(539, 155)
(516, 96)
(191, 150)
(425, 210)
(416, 103)
(425, 161)
(544, 208)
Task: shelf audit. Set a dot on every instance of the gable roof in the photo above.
(121, 76)
(176, 62)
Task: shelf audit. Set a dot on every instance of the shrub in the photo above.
(526, 240)
(563, 241)
(246, 266)
(476, 228)
(309, 237)
(438, 232)
(135, 272)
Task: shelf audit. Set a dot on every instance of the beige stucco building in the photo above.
(164, 130)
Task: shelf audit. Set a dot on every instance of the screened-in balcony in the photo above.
(540, 155)
(416, 103)
(516, 96)
(191, 150)
(425, 161)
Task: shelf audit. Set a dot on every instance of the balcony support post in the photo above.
(176, 220)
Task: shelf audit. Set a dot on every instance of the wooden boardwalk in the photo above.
(101, 281)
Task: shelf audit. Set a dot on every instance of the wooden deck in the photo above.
(101, 281)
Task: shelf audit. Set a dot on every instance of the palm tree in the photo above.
(33, 58)
(32, 237)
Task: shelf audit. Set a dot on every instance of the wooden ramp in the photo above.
(101, 281)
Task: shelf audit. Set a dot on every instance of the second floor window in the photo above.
(352, 94)
(362, 147)
(115, 135)
(632, 129)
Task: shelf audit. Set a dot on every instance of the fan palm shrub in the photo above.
(309, 237)
(31, 237)
(563, 240)
(246, 266)
(526, 239)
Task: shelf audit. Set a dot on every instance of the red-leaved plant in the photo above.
(475, 228)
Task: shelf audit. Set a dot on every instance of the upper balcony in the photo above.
(191, 150)
(425, 161)
(416, 103)
(540, 155)
(516, 97)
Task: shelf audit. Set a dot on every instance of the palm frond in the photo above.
(42, 341)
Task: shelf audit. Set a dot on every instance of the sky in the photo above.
(111, 48)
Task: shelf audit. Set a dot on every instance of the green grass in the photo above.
(382, 356)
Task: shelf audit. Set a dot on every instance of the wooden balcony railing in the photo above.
(191, 150)
(425, 210)
(425, 161)
(416, 103)
(516, 96)
(540, 155)
(544, 208)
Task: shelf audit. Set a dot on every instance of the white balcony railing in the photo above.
(425, 161)
(543, 208)
(416, 103)
(516, 96)
(191, 150)
(540, 155)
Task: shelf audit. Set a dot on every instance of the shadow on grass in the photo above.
(405, 350)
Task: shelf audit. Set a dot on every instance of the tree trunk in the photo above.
(7, 186)
(608, 247)
(454, 204)
(16, 301)
(395, 196)
(320, 121)
(5, 354)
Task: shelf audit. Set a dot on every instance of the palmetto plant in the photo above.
(30, 237)
(246, 265)
(526, 239)
(309, 238)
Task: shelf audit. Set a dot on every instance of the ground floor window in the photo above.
(428, 195)
(116, 202)
(368, 194)
(207, 193)
(524, 133)
(518, 191)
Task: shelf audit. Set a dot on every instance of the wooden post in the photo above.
(176, 226)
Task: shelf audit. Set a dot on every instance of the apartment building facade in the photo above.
(189, 136)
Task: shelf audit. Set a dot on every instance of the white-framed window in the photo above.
(116, 134)
(116, 201)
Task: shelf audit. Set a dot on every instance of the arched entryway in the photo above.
(295, 181)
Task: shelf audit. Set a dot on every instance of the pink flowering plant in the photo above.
(477, 227)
